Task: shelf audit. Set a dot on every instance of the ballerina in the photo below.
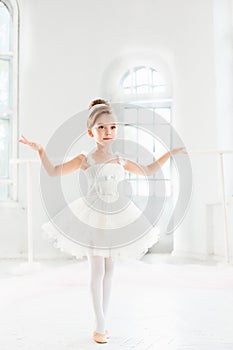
(104, 170)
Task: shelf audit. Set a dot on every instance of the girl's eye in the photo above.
(112, 127)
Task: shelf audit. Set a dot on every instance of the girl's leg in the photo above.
(97, 270)
(107, 283)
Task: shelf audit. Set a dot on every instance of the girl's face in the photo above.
(104, 130)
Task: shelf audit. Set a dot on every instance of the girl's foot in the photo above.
(106, 333)
(100, 337)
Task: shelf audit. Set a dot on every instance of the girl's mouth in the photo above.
(107, 138)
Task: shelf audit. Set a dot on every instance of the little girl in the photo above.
(104, 170)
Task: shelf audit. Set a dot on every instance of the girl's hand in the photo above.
(33, 145)
(178, 150)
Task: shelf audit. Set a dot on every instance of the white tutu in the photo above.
(103, 222)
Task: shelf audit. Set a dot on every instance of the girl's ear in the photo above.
(90, 133)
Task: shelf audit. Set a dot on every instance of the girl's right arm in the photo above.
(57, 170)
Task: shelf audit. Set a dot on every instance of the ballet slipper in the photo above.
(100, 337)
(106, 333)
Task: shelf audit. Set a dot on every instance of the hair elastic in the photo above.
(97, 106)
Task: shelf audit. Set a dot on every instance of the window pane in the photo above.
(146, 116)
(142, 76)
(168, 188)
(159, 149)
(143, 188)
(165, 113)
(166, 170)
(4, 192)
(131, 175)
(142, 89)
(5, 25)
(154, 77)
(146, 139)
(157, 78)
(4, 83)
(159, 89)
(127, 90)
(163, 137)
(130, 115)
(4, 148)
(130, 134)
(127, 81)
(134, 187)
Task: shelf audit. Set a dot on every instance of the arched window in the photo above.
(8, 97)
(142, 80)
(146, 89)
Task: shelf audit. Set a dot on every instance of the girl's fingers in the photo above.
(184, 150)
(25, 141)
(181, 149)
(24, 138)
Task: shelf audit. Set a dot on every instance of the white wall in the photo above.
(223, 38)
(66, 49)
(193, 238)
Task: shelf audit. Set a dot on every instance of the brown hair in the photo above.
(98, 111)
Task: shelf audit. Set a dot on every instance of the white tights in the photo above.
(101, 273)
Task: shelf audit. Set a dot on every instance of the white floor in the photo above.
(159, 303)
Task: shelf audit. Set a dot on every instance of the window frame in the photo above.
(148, 100)
(135, 177)
(12, 112)
(132, 74)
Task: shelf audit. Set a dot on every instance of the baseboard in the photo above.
(192, 255)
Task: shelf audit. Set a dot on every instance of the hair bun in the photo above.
(97, 102)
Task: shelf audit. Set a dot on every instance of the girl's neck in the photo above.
(105, 150)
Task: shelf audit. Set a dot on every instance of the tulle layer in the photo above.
(134, 250)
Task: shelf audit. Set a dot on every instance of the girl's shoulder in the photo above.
(83, 154)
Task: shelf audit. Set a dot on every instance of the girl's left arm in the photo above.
(153, 167)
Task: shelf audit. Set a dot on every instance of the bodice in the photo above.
(103, 178)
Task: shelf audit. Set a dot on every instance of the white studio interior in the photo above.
(168, 66)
